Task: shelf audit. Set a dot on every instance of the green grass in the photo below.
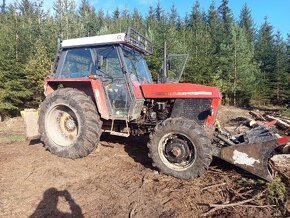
(12, 138)
(276, 191)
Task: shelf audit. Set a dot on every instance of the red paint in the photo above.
(179, 90)
(283, 140)
(271, 123)
(100, 98)
(214, 105)
(95, 89)
(47, 88)
(175, 90)
(137, 89)
(185, 90)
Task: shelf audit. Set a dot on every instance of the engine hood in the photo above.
(179, 90)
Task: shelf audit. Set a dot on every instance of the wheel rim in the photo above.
(177, 151)
(62, 125)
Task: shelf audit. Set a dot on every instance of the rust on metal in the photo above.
(176, 151)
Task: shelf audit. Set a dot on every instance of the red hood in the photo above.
(179, 90)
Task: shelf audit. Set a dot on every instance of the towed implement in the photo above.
(102, 84)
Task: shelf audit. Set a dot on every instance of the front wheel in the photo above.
(69, 123)
(179, 147)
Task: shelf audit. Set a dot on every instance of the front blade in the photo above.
(251, 157)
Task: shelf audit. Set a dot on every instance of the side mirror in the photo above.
(99, 61)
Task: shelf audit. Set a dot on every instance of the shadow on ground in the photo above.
(47, 207)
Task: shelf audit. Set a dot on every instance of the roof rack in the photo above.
(138, 41)
(132, 39)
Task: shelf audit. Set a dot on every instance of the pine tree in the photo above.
(116, 13)
(158, 28)
(66, 18)
(101, 22)
(25, 30)
(199, 39)
(213, 27)
(288, 52)
(13, 91)
(36, 69)
(88, 19)
(226, 17)
(158, 11)
(288, 69)
(3, 7)
(245, 68)
(173, 15)
(265, 56)
(116, 26)
(137, 20)
(225, 49)
(280, 83)
(125, 20)
(247, 23)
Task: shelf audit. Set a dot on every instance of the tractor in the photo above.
(102, 84)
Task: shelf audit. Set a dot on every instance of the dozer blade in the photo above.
(252, 157)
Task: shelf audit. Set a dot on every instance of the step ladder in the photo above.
(122, 134)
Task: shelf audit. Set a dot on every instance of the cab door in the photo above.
(114, 82)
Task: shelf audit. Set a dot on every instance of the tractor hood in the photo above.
(179, 90)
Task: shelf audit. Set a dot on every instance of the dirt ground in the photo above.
(117, 180)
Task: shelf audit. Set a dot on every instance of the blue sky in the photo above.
(277, 11)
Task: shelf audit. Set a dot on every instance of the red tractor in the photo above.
(102, 84)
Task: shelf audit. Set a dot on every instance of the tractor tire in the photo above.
(179, 147)
(69, 123)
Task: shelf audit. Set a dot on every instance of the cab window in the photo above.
(111, 64)
(77, 63)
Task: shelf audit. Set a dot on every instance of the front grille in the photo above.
(192, 108)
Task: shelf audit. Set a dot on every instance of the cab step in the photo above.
(119, 134)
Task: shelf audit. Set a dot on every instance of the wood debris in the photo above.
(281, 123)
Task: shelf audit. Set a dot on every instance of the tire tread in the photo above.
(90, 123)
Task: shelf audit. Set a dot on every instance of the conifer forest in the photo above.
(249, 63)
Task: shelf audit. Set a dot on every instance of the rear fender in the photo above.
(92, 88)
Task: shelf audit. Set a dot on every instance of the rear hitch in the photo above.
(253, 154)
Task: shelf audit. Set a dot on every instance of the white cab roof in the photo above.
(95, 40)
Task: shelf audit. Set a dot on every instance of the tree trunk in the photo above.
(235, 71)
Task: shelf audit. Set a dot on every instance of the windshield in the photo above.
(137, 67)
(175, 66)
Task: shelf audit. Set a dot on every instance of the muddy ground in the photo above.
(117, 180)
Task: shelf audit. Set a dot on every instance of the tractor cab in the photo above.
(116, 61)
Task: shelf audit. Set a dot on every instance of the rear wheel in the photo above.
(180, 147)
(69, 123)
